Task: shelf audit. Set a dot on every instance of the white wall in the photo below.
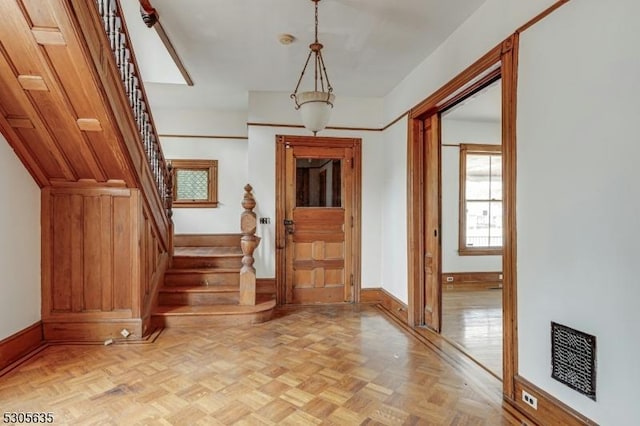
(19, 245)
(394, 210)
(456, 132)
(579, 198)
(232, 164)
(493, 22)
(273, 107)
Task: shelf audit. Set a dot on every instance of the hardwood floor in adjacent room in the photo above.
(340, 365)
(473, 320)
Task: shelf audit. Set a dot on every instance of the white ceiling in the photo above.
(231, 47)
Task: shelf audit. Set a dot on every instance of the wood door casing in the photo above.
(318, 259)
(432, 293)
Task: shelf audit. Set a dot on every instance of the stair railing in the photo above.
(125, 60)
(248, 244)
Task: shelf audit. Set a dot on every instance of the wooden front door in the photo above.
(317, 219)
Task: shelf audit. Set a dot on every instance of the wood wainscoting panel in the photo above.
(550, 410)
(103, 261)
(20, 344)
(456, 281)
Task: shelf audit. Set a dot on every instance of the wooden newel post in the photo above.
(248, 243)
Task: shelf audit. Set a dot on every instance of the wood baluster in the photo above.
(169, 193)
(248, 243)
(114, 27)
(112, 24)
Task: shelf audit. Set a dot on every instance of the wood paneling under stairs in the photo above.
(202, 287)
(102, 261)
(335, 365)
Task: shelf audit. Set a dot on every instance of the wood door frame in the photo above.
(356, 248)
(502, 61)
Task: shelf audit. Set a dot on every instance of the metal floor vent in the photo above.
(573, 359)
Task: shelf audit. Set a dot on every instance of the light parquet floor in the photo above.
(334, 365)
(473, 320)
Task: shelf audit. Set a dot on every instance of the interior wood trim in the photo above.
(299, 126)
(33, 82)
(539, 17)
(371, 295)
(478, 85)
(20, 123)
(89, 124)
(509, 66)
(471, 280)
(388, 301)
(415, 222)
(363, 129)
(172, 52)
(395, 306)
(202, 136)
(474, 70)
(551, 411)
(48, 36)
(395, 120)
(20, 344)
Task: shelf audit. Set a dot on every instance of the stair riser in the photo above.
(207, 240)
(211, 279)
(200, 321)
(193, 299)
(207, 262)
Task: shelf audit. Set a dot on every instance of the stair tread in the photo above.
(199, 289)
(207, 252)
(190, 310)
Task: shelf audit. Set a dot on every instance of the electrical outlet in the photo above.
(265, 220)
(449, 279)
(500, 276)
(530, 399)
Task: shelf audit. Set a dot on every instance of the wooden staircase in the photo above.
(202, 286)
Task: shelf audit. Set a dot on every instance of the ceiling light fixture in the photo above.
(315, 106)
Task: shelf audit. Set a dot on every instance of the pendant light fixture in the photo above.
(315, 106)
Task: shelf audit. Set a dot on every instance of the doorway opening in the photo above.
(317, 219)
(425, 266)
(472, 225)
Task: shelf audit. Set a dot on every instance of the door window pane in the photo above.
(318, 182)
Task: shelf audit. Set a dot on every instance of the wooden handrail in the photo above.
(116, 31)
(248, 243)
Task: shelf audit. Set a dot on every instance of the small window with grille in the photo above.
(195, 183)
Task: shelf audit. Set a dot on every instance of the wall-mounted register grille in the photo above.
(573, 359)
